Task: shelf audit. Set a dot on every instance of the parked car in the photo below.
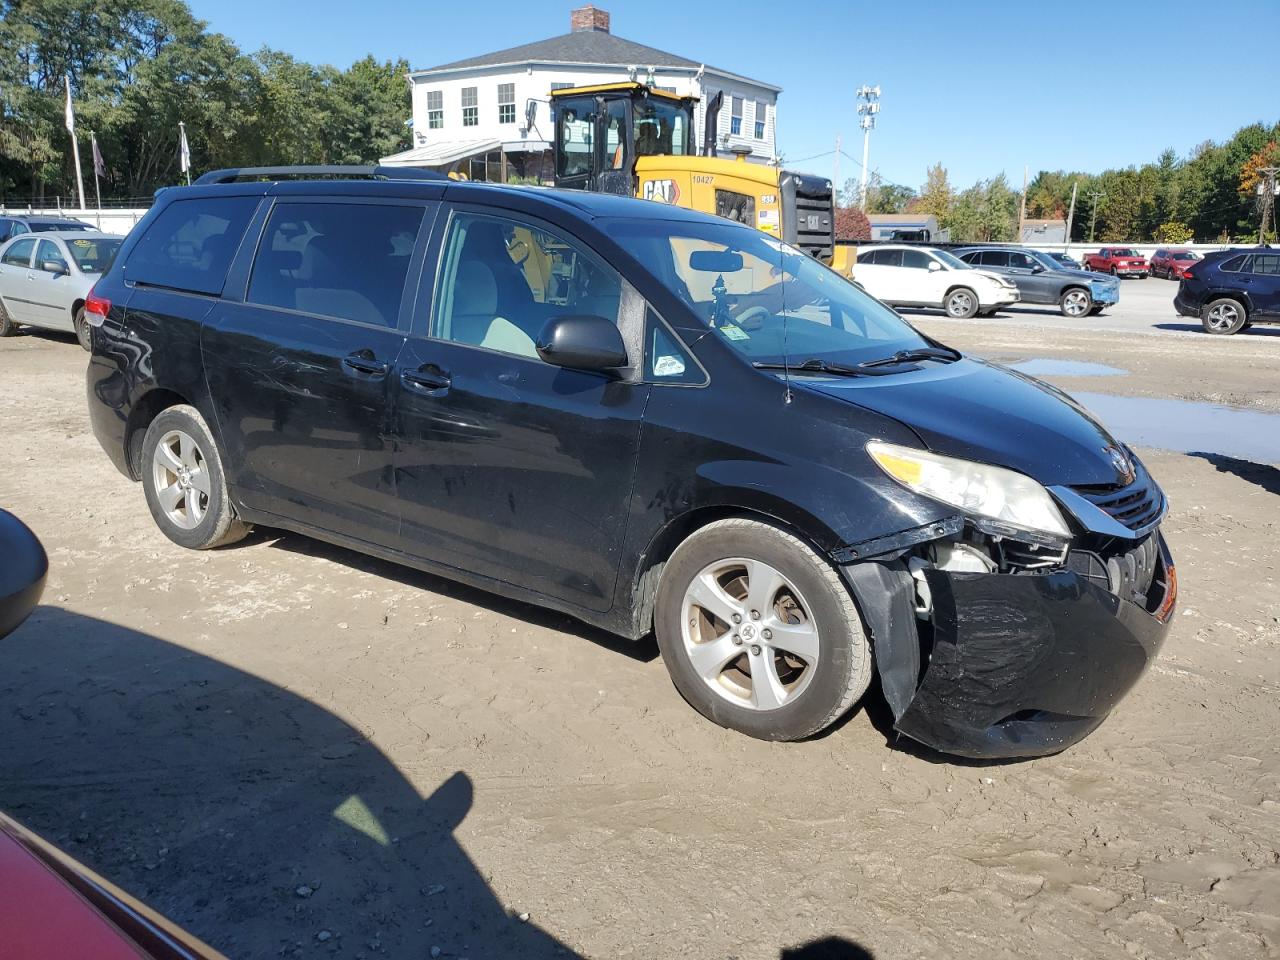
(13, 226)
(1117, 261)
(45, 279)
(1230, 290)
(1041, 279)
(1172, 263)
(652, 419)
(908, 276)
(1066, 260)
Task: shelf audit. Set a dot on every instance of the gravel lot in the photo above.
(296, 751)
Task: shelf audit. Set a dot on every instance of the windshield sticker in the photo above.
(668, 367)
(82, 243)
(734, 333)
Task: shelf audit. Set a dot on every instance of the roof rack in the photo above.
(320, 172)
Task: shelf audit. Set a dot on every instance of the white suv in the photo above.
(911, 276)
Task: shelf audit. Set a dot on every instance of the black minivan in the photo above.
(651, 419)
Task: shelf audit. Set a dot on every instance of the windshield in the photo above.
(754, 292)
(1185, 255)
(955, 263)
(662, 129)
(1123, 252)
(93, 254)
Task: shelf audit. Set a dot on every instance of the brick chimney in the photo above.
(589, 18)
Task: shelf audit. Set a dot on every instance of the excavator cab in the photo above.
(600, 132)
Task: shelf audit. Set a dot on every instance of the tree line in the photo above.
(1209, 196)
(138, 67)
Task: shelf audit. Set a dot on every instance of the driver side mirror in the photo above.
(582, 342)
(1037, 268)
(56, 267)
(934, 266)
(22, 574)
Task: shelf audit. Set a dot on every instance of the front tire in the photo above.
(961, 303)
(84, 332)
(1224, 317)
(759, 633)
(1075, 303)
(184, 482)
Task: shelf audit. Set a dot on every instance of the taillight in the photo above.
(96, 309)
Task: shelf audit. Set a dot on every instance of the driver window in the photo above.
(576, 120)
(614, 139)
(503, 279)
(916, 259)
(1022, 261)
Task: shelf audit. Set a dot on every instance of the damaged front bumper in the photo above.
(1013, 664)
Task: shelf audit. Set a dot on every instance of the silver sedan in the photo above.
(45, 277)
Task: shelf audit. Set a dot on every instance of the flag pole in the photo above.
(97, 186)
(75, 144)
(184, 151)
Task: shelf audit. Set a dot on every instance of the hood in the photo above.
(998, 279)
(982, 411)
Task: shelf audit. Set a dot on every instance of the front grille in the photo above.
(1128, 573)
(1137, 505)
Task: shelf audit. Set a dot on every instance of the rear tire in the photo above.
(184, 483)
(759, 633)
(84, 332)
(1224, 317)
(961, 303)
(7, 327)
(1075, 302)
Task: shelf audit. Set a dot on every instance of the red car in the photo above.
(1117, 261)
(1173, 264)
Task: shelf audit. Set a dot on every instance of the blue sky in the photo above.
(982, 87)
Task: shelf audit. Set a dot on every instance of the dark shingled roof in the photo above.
(581, 46)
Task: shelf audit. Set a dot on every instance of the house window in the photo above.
(506, 103)
(560, 85)
(435, 109)
(761, 108)
(735, 119)
(470, 107)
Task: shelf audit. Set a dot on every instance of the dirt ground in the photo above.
(292, 750)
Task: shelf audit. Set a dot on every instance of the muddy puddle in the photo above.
(1188, 426)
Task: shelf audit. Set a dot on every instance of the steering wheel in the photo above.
(751, 318)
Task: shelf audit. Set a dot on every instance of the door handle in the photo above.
(428, 378)
(363, 361)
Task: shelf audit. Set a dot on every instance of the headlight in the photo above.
(1001, 495)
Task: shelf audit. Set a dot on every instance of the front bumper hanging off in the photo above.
(1008, 665)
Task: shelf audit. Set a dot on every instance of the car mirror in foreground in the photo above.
(22, 573)
(582, 342)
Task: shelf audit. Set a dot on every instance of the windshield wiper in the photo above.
(814, 365)
(910, 356)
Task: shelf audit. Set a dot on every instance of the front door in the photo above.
(509, 467)
(1035, 283)
(51, 287)
(300, 371)
(1265, 288)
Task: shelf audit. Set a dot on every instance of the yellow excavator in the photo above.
(634, 140)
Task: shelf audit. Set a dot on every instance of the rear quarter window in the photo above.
(1233, 265)
(191, 243)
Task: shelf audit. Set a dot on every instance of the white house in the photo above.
(472, 115)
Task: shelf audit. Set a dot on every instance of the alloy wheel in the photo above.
(181, 479)
(1223, 317)
(959, 304)
(748, 633)
(1076, 303)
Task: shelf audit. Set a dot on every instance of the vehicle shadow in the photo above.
(247, 814)
(1257, 330)
(828, 948)
(1264, 475)
(644, 650)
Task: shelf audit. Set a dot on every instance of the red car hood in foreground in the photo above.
(53, 908)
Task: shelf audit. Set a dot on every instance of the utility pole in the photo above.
(1071, 215)
(867, 111)
(1022, 214)
(1268, 190)
(835, 179)
(1096, 196)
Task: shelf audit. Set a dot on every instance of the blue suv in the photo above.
(1230, 290)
